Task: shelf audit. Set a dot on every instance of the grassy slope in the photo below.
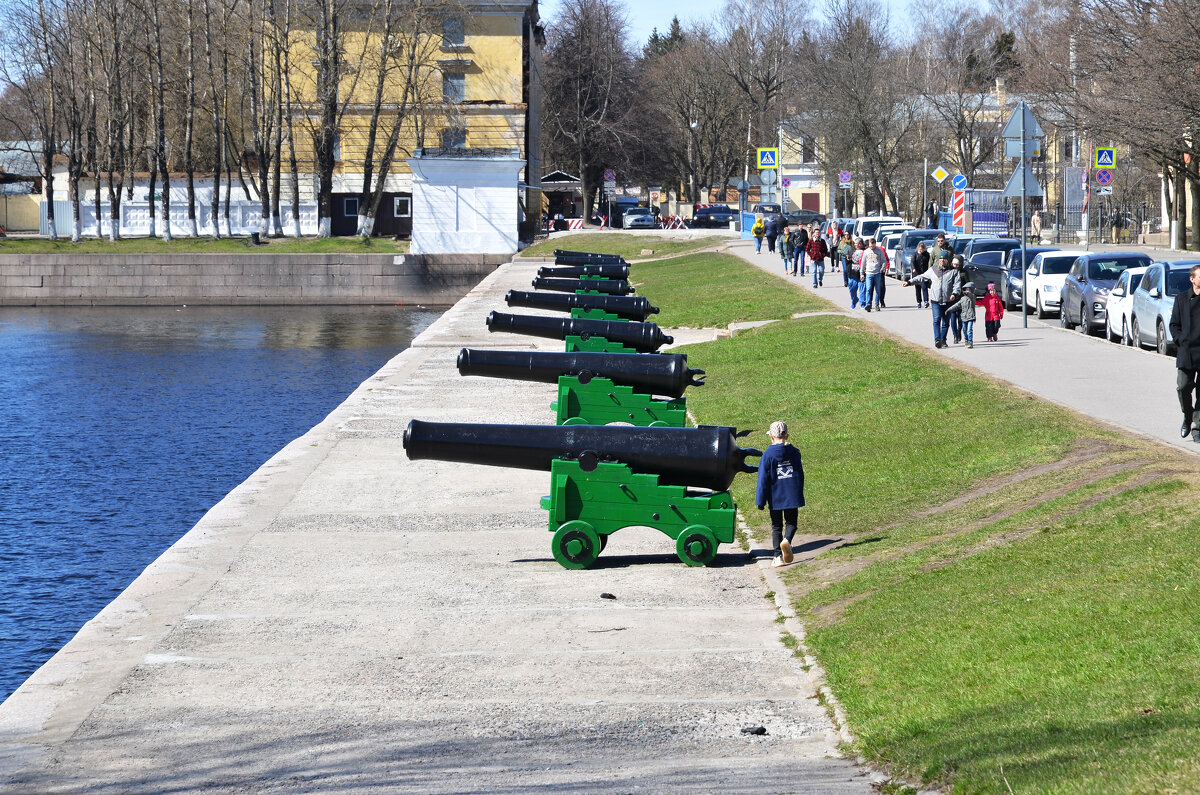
(628, 246)
(1047, 627)
(186, 245)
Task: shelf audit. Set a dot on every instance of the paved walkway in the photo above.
(1124, 387)
(349, 620)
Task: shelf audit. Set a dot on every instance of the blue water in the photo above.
(122, 426)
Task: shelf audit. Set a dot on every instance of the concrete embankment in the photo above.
(347, 619)
(230, 279)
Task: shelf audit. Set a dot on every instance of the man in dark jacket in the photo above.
(781, 487)
(1185, 330)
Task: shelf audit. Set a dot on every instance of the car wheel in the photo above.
(1126, 339)
(1108, 332)
(1135, 338)
(1041, 310)
(1063, 320)
(1084, 327)
(1160, 339)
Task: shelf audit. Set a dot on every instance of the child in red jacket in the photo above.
(993, 310)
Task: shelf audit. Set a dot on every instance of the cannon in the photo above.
(597, 388)
(564, 257)
(604, 271)
(604, 478)
(606, 286)
(585, 305)
(609, 336)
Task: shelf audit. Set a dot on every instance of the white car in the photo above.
(868, 225)
(1044, 280)
(1118, 323)
(891, 244)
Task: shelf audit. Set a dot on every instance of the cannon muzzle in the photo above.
(642, 337)
(628, 307)
(706, 458)
(607, 286)
(564, 257)
(607, 271)
(652, 374)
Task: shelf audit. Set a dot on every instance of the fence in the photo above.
(244, 217)
(1108, 222)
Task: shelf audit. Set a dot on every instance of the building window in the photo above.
(454, 86)
(350, 208)
(808, 150)
(1068, 150)
(402, 207)
(454, 138)
(454, 34)
(337, 146)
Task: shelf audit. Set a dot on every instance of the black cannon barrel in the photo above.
(650, 373)
(697, 457)
(642, 337)
(579, 271)
(608, 286)
(564, 257)
(628, 307)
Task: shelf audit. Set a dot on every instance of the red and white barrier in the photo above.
(576, 223)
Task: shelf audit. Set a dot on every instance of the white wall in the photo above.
(465, 205)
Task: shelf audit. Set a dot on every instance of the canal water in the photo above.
(122, 426)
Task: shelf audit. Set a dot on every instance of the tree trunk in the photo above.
(190, 122)
(1180, 241)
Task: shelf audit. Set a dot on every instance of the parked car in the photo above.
(638, 218)
(1045, 278)
(1086, 288)
(1119, 312)
(803, 217)
(616, 210)
(712, 216)
(984, 267)
(959, 240)
(867, 226)
(908, 247)
(1153, 301)
(1008, 279)
(891, 244)
(977, 244)
(768, 209)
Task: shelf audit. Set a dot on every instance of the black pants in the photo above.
(783, 525)
(1187, 382)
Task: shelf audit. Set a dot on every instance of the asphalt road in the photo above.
(1124, 387)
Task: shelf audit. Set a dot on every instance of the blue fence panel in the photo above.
(990, 223)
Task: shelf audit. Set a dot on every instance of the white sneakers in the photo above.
(785, 549)
(777, 562)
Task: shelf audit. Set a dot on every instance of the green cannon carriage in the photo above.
(605, 478)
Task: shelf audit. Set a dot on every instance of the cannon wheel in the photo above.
(576, 544)
(696, 545)
(575, 421)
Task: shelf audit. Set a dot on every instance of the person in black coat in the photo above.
(920, 264)
(781, 488)
(1185, 331)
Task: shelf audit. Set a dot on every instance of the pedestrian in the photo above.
(920, 264)
(801, 249)
(955, 318)
(1035, 226)
(872, 271)
(845, 252)
(781, 488)
(853, 274)
(860, 246)
(771, 231)
(939, 245)
(931, 214)
(945, 287)
(1185, 330)
(758, 230)
(965, 308)
(817, 252)
(993, 310)
(785, 248)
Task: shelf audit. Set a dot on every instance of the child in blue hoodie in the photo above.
(781, 487)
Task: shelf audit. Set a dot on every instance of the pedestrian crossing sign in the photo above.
(1106, 157)
(768, 158)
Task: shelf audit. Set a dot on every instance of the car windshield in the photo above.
(1178, 282)
(913, 238)
(1057, 266)
(768, 208)
(638, 211)
(1111, 269)
(997, 245)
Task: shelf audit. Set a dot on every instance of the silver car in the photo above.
(639, 218)
(1153, 301)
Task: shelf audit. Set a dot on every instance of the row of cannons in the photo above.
(650, 470)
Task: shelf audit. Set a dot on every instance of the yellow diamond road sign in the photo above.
(940, 174)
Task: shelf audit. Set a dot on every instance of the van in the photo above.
(867, 226)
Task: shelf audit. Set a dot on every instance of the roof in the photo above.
(559, 176)
(19, 159)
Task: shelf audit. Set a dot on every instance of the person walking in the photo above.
(845, 251)
(1035, 226)
(860, 247)
(817, 252)
(1185, 330)
(939, 245)
(786, 238)
(955, 318)
(993, 311)
(965, 308)
(920, 264)
(771, 231)
(801, 249)
(758, 230)
(781, 488)
(945, 287)
(872, 270)
(853, 275)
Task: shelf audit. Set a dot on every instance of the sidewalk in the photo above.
(1125, 387)
(349, 620)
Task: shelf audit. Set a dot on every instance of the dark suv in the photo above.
(712, 215)
(1085, 292)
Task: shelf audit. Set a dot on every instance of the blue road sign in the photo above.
(1106, 157)
(960, 182)
(767, 158)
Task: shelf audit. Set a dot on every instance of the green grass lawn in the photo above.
(1015, 597)
(205, 245)
(628, 246)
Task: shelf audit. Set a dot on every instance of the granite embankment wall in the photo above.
(225, 279)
